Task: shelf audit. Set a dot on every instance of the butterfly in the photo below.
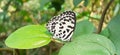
(62, 26)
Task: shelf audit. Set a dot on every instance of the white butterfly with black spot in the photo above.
(63, 25)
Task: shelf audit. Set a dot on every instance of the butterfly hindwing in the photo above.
(62, 26)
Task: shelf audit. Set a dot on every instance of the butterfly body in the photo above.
(62, 26)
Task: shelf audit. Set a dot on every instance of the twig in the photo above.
(33, 19)
(103, 16)
(27, 52)
(50, 48)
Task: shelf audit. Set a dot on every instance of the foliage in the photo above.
(113, 32)
(89, 44)
(22, 26)
(83, 27)
(28, 37)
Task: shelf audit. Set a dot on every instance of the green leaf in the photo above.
(85, 13)
(43, 2)
(27, 37)
(114, 30)
(105, 32)
(83, 27)
(76, 2)
(89, 44)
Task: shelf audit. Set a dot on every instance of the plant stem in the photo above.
(103, 17)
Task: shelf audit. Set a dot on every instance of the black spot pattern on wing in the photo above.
(62, 26)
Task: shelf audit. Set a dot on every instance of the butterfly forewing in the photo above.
(62, 26)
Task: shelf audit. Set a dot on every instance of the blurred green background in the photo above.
(18, 13)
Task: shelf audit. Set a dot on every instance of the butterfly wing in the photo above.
(62, 26)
